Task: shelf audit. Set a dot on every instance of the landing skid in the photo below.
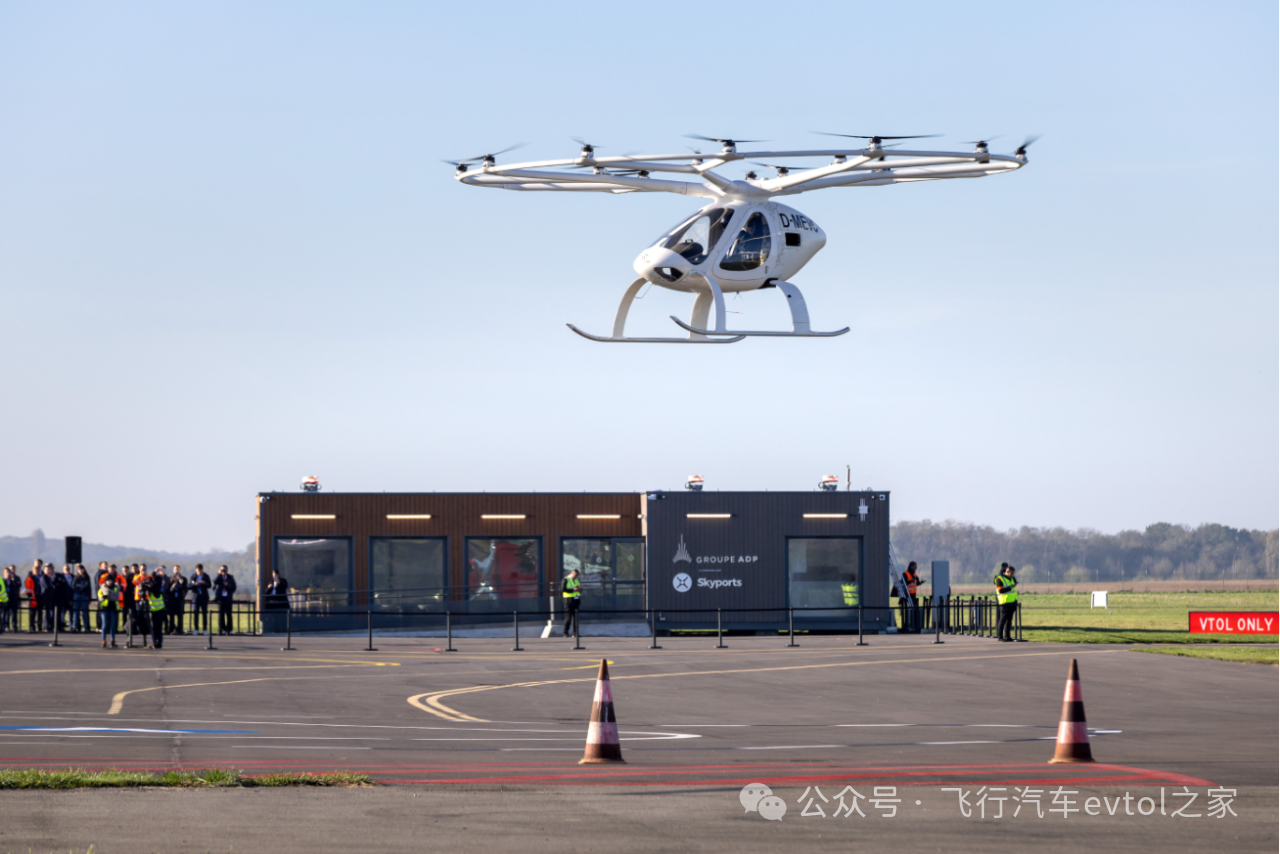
(799, 321)
(744, 333)
(696, 327)
(701, 309)
(627, 340)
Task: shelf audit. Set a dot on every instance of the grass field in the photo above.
(73, 778)
(1136, 617)
(1245, 654)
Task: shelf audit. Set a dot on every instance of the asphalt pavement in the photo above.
(480, 746)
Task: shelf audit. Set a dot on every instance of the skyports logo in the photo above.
(716, 583)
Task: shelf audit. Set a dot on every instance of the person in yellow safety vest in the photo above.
(850, 591)
(571, 592)
(138, 607)
(909, 605)
(1007, 595)
(154, 588)
(109, 608)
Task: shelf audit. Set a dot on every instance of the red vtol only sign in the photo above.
(1233, 622)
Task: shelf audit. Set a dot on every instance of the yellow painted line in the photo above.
(430, 702)
(217, 653)
(117, 702)
(163, 669)
(588, 667)
(433, 705)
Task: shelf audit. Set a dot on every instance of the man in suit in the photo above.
(47, 597)
(224, 588)
(175, 600)
(275, 602)
(200, 586)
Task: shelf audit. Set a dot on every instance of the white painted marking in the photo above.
(292, 747)
(792, 747)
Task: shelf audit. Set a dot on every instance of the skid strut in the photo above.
(800, 327)
(701, 310)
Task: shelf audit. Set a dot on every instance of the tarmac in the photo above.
(477, 749)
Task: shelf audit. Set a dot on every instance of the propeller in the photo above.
(483, 158)
(604, 170)
(1026, 143)
(876, 140)
(587, 148)
(782, 170)
(982, 143)
(729, 144)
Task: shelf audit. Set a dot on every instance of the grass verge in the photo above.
(1248, 655)
(73, 778)
(1067, 634)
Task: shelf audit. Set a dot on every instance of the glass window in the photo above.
(695, 240)
(629, 556)
(750, 248)
(594, 561)
(823, 573)
(503, 567)
(317, 568)
(407, 572)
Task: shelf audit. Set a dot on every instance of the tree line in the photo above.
(1162, 551)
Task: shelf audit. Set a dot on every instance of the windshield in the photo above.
(695, 240)
(750, 248)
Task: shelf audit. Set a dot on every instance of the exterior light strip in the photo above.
(599, 515)
(312, 516)
(708, 515)
(826, 515)
(408, 515)
(502, 516)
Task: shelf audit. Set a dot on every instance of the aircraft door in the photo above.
(752, 252)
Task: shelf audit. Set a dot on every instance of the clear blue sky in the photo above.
(230, 257)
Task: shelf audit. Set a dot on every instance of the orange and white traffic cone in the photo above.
(1073, 734)
(602, 733)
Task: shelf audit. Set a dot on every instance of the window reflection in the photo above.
(319, 568)
(697, 238)
(593, 558)
(407, 572)
(502, 567)
(823, 573)
(750, 248)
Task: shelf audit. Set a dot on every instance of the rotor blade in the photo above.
(876, 136)
(493, 154)
(722, 141)
(582, 141)
(988, 139)
(1022, 149)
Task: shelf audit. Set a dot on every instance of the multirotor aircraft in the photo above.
(742, 239)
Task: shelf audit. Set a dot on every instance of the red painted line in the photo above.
(533, 773)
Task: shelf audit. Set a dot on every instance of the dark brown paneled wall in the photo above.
(456, 516)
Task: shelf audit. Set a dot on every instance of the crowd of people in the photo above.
(154, 603)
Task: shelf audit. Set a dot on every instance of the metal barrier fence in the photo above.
(241, 618)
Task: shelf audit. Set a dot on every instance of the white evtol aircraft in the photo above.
(742, 240)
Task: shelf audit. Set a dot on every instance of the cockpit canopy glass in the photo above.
(750, 248)
(695, 240)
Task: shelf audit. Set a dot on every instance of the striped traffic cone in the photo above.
(602, 733)
(1073, 735)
